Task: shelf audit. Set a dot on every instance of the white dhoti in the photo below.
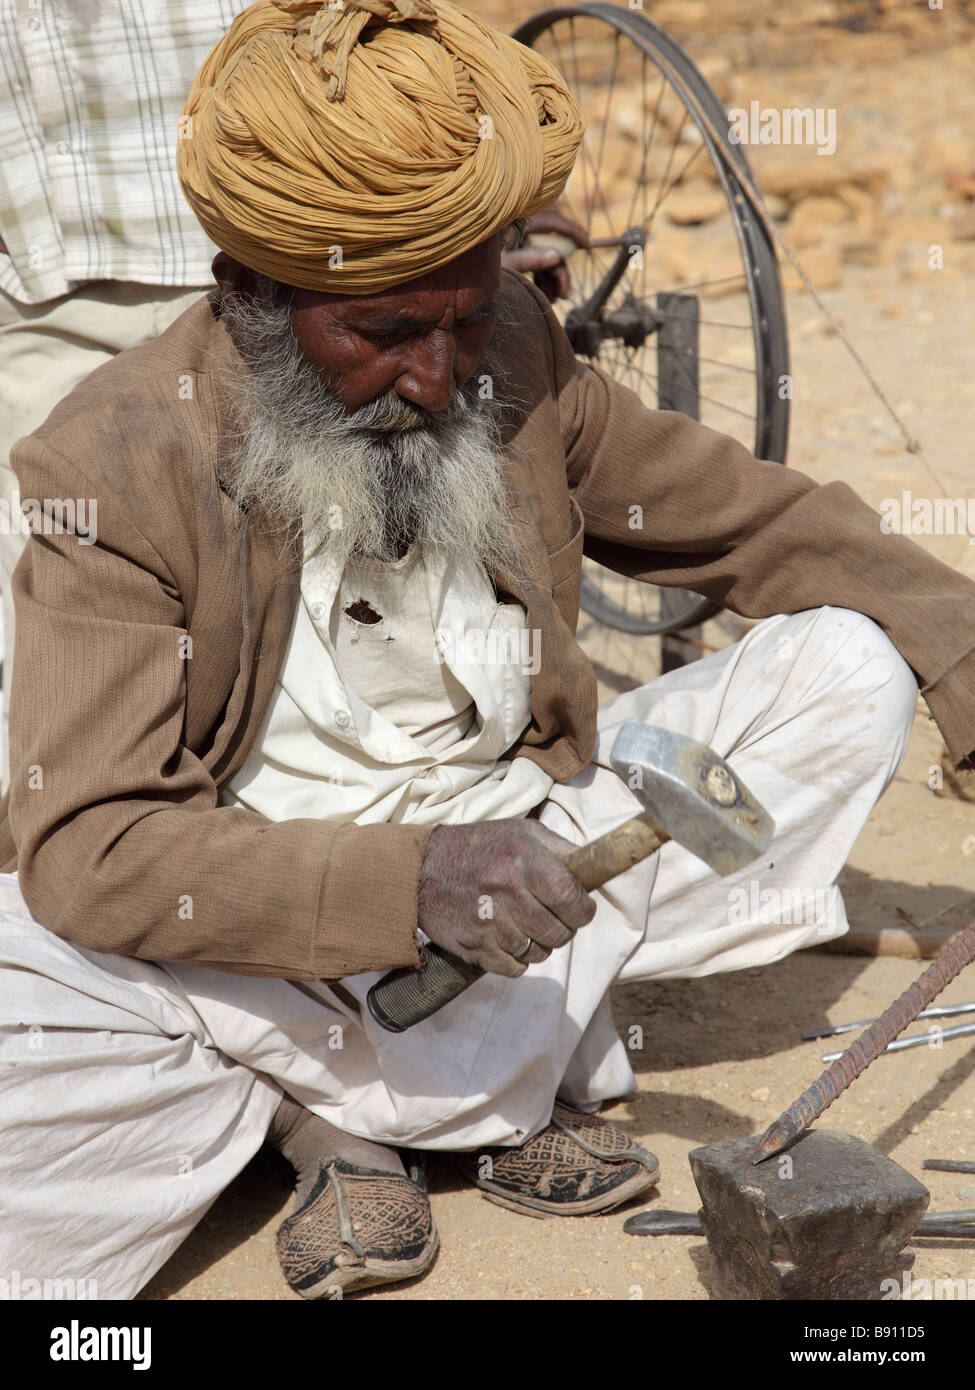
(131, 1094)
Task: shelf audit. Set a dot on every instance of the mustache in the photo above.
(391, 414)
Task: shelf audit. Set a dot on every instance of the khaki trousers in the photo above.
(45, 350)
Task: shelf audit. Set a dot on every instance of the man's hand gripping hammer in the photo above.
(691, 796)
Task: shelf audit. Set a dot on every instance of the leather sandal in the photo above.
(359, 1227)
(577, 1165)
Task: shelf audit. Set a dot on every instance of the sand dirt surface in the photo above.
(722, 1056)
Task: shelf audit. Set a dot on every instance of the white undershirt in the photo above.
(394, 664)
(402, 720)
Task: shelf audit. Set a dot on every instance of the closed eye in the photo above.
(484, 314)
(384, 339)
(397, 330)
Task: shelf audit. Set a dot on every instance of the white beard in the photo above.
(360, 482)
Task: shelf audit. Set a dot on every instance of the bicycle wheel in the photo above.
(694, 320)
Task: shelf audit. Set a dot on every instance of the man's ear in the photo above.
(231, 276)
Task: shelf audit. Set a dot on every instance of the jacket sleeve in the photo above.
(122, 846)
(671, 502)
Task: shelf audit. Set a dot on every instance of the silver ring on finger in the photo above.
(529, 943)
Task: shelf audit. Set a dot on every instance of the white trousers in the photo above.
(131, 1094)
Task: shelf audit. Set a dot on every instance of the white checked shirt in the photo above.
(90, 96)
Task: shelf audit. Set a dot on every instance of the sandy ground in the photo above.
(722, 1056)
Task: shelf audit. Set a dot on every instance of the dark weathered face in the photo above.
(422, 339)
(362, 424)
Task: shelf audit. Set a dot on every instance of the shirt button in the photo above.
(318, 611)
(63, 147)
(343, 718)
(33, 24)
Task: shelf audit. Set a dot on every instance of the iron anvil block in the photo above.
(827, 1219)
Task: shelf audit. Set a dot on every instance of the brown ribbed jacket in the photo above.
(120, 742)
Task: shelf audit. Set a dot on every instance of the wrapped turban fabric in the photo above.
(402, 132)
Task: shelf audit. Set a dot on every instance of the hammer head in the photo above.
(693, 795)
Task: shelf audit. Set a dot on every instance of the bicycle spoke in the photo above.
(647, 143)
(721, 405)
(674, 182)
(670, 159)
(585, 154)
(726, 366)
(609, 102)
(636, 97)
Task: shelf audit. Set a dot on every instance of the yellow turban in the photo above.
(349, 145)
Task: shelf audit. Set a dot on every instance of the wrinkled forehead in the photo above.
(465, 288)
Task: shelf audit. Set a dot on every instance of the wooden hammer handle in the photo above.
(615, 852)
(406, 997)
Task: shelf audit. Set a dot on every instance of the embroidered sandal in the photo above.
(359, 1227)
(577, 1165)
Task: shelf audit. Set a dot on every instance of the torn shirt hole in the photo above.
(363, 612)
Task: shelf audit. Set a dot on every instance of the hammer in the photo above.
(691, 796)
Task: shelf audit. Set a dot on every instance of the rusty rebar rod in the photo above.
(855, 1060)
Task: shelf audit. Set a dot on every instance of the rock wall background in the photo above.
(901, 78)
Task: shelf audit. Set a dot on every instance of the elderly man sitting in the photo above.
(312, 697)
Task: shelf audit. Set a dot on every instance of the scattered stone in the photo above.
(823, 265)
(816, 219)
(860, 201)
(917, 230)
(943, 155)
(862, 50)
(690, 14)
(803, 173)
(875, 251)
(961, 183)
(806, 15)
(694, 203)
(776, 207)
(818, 326)
(963, 225)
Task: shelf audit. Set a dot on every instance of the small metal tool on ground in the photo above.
(657, 1222)
(961, 1030)
(691, 796)
(936, 1011)
(843, 1072)
(958, 1225)
(652, 1222)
